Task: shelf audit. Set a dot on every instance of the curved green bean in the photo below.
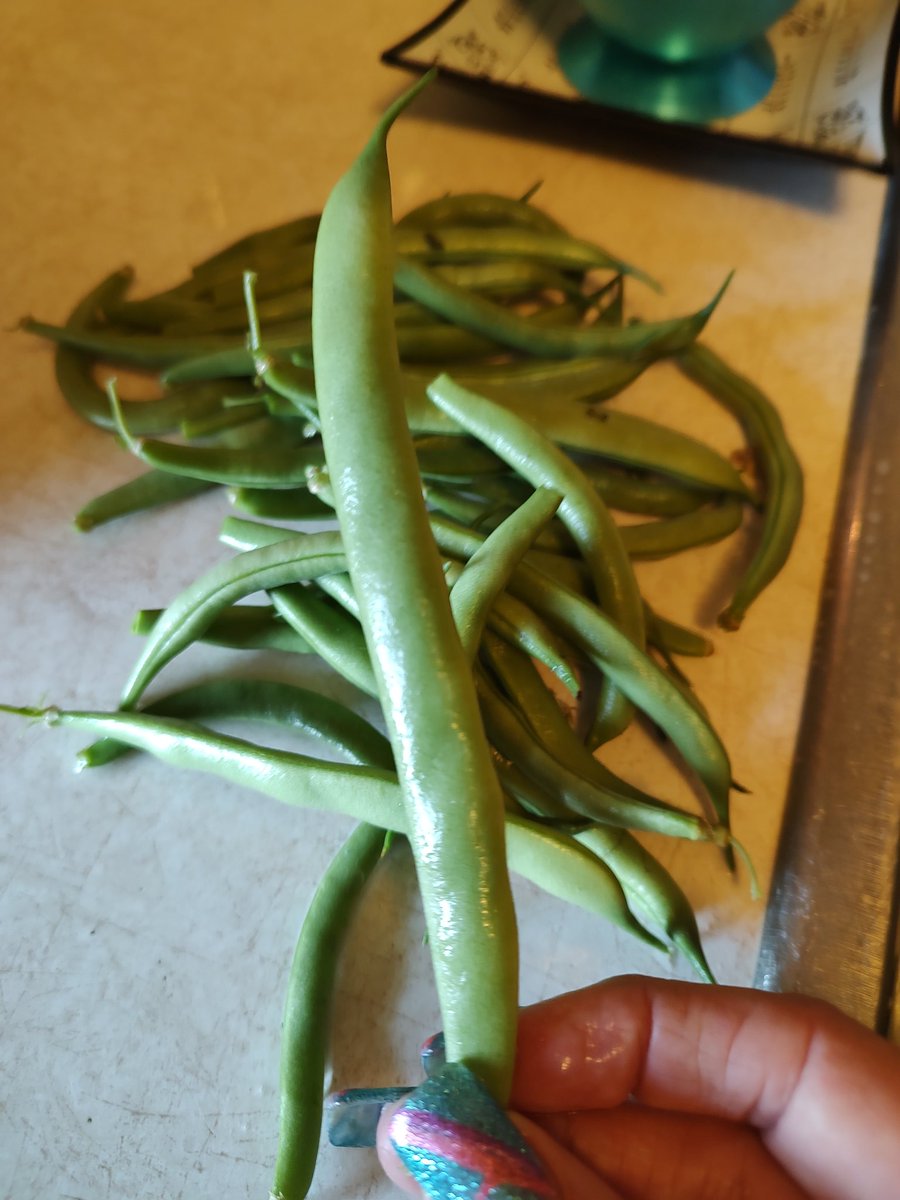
(482, 317)
(149, 490)
(302, 556)
(240, 627)
(783, 499)
(308, 1005)
(659, 539)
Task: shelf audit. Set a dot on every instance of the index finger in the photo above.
(823, 1091)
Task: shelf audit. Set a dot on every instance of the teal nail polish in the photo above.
(459, 1145)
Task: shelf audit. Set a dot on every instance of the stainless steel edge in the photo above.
(832, 920)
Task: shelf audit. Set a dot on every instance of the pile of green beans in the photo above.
(453, 506)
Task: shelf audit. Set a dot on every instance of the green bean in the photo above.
(74, 369)
(512, 620)
(334, 635)
(302, 556)
(618, 437)
(642, 493)
(582, 511)
(280, 504)
(510, 278)
(584, 797)
(525, 450)
(243, 253)
(538, 709)
(651, 889)
(308, 1006)
(154, 313)
(290, 305)
(627, 491)
(273, 701)
(441, 456)
(528, 799)
(233, 362)
(646, 882)
(783, 500)
(481, 316)
(149, 490)
(484, 515)
(278, 272)
(674, 639)
(485, 575)
(478, 208)
(151, 350)
(218, 357)
(465, 243)
(564, 379)
(241, 627)
(75, 374)
(548, 857)
(554, 860)
(340, 588)
(193, 428)
(451, 794)
(659, 539)
(263, 467)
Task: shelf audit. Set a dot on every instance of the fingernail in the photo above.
(432, 1055)
(351, 1116)
(457, 1144)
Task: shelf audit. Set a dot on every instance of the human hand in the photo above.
(639, 1089)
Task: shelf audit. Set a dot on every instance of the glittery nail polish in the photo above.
(459, 1145)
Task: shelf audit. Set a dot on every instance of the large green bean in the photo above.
(451, 794)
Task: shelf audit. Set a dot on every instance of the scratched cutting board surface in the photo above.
(148, 918)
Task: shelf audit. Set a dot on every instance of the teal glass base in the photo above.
(608, 72)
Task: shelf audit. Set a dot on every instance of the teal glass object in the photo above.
(681, 31)
(677, 60)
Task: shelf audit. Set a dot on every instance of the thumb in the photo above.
(387, 1155)
(450, 1138)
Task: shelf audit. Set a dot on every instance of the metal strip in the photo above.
(832, 921)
